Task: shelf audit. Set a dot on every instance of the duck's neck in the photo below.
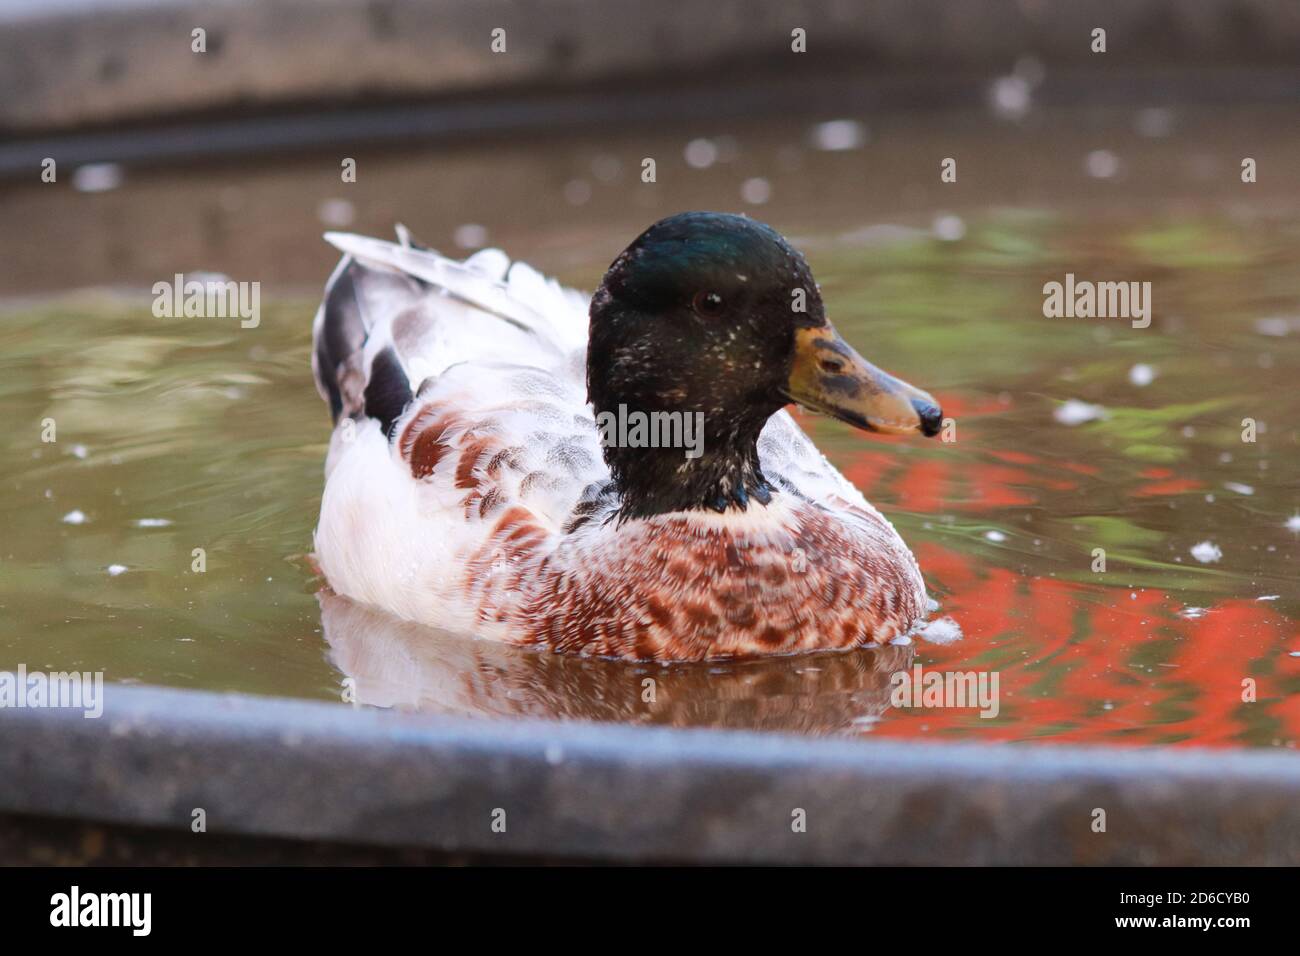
(713, 469)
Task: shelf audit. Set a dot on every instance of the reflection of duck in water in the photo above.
(399, 664)
(470, 486)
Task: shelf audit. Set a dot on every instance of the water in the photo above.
(183, 434)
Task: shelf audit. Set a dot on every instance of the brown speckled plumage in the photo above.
(789, 577)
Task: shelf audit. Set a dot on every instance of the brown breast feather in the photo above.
(671, 587)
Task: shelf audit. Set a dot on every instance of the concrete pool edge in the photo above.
(80, 63)
(308, 770)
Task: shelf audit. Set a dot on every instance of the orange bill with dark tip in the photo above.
(828, 376)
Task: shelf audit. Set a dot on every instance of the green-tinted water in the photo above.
(183, 434)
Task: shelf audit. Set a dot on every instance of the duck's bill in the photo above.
(828, 376)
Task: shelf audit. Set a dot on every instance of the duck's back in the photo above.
(465, 486)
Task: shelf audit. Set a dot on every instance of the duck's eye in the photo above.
(708, 305)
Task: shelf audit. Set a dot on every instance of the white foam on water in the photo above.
(1074, 412)
(1207, 552)
(1141, 375)
(943, 630)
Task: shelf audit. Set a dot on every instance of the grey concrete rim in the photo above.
(315, 770)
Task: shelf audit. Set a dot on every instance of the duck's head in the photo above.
(717, 319)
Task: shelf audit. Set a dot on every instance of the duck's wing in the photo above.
(395, 315)
(463, 429)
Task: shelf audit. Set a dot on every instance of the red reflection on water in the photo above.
(1078, 659)
(1088, 663)
(933, 485)
(1174, 486)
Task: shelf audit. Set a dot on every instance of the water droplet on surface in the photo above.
(839, 135)
(1010, 97)
(98, 177)
(1102, 164)
(336, 213)
(948, 227)
(606, 168)
(1154, 122)
(577, 192)
(470, 236)
(700, 153)
(756, 191)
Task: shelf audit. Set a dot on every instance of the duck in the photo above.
(491, 472)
